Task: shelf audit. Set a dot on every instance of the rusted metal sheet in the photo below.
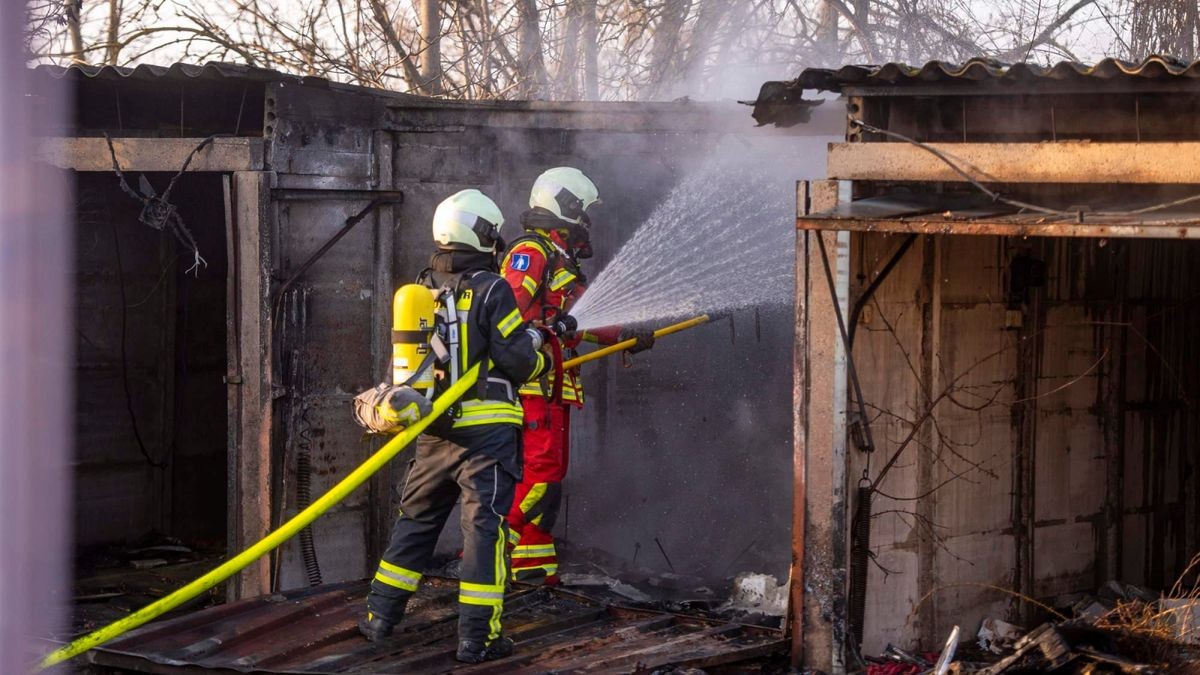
(314, 631)
(1063, 162)
(151, 154)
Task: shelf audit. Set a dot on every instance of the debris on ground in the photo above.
(599, 580)
(897, 661)
(754, 592)
(1122, 628)
(112, 581)
(998, 637)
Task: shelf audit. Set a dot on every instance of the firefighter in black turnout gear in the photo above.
(473, 451)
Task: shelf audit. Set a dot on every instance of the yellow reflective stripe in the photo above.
(476, 413)
(481, 594)
(509, 323)
(541, 247)
(561, 278)
(538, 519)
(529, 284)
(539, 551)
(463, 424)
(482, 588)
(394, 575)
(470, 598)
(472, 407)
(400, 570)
(533, 571)
(514, 537)
(501, 579)
(534, 495)
(534, 388)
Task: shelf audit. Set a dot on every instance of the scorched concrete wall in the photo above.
(691, 445)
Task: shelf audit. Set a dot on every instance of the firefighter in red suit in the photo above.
(542, 266)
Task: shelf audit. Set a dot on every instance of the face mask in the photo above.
(580, 238)
(498, 253)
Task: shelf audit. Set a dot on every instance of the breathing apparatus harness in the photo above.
(445, 340)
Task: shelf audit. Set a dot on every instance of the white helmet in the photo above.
(565, 192)
(468, 218)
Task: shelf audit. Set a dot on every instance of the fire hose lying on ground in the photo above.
(301, 520)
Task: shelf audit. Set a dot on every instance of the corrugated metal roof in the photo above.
(314, 631)
(783, 103)
(981, 69)
(209, 71)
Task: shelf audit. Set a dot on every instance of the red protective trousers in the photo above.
(539, 494)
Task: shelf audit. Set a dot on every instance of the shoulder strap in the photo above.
(552, 258)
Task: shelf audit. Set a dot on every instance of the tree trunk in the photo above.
(862, 25)
(1191, 30)
(591, 49)
(704, 36)
(568, 69)
(827, 34)
(666, 45)
(113, 50)
(532, 69)
(431, 47)
(73, 8)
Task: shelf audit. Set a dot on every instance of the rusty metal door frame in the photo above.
(816, 617)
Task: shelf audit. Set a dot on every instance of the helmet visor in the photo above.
(487, 232)
(569, 205)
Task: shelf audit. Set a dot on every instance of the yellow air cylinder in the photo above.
(412, 327)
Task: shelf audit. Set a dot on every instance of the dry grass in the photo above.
(1148, 632)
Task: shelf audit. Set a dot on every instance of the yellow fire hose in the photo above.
(286, 531)
(626, 344)
(301, 520)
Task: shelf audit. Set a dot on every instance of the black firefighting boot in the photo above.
(375, 628)
(470, 651)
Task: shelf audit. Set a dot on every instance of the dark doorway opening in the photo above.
(150, 418)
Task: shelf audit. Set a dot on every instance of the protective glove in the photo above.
(644, 337)
(388, 408)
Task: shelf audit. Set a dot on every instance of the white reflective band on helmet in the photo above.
(547, 187)
(455, 218)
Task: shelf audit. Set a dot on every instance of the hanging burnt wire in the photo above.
(157, 210)
(299, 438)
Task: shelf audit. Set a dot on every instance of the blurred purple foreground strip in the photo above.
(35, 327)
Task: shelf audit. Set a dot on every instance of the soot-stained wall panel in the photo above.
(333, 312)
(691, 444)
(699, 428)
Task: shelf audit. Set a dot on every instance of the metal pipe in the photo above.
(626, 344)
(350, 223)
(868, 442)
(856, 312)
